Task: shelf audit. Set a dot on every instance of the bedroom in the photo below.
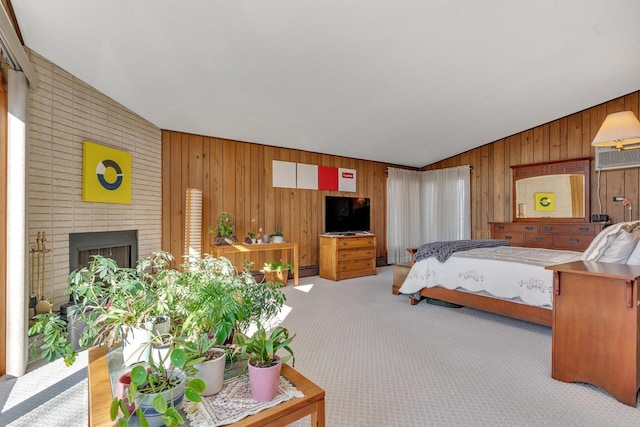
(238, 170)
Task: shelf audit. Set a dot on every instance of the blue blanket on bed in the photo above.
(443, 250)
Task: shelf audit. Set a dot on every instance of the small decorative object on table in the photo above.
(277, 237)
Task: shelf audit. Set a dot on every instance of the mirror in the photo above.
(552, 191)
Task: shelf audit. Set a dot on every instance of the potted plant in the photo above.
(116, 305)
(225, 231)
(153, 392)
(210, 361)
(252, 237)
(277, 237)
(277, 272)
(263, 364)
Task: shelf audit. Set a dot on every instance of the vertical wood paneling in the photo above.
(237, 177)
(567, 137)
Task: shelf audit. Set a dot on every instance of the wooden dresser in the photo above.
(344, 257)
(574, 236)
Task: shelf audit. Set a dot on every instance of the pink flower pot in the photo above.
(264, 382)
(122, 385)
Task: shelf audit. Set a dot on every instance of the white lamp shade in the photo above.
(618, 129)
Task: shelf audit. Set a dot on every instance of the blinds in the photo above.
(193, 223)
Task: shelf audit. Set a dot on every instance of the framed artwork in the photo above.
(545, 201)
(106, 174)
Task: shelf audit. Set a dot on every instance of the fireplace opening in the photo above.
(121, 246)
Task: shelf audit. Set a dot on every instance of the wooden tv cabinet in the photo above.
(345, 257)
(595, 330)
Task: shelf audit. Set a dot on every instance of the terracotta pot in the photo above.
(264, 381)
(276, 276)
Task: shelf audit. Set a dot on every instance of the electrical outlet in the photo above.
(618, 198)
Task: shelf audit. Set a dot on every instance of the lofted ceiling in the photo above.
(408, 82)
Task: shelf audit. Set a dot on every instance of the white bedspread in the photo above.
(505, 272)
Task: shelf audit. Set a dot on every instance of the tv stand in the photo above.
(347, 256)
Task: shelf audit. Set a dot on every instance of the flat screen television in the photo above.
(343, 214)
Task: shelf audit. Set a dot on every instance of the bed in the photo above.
(513, 281)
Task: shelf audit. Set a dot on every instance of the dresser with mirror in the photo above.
(550, 207)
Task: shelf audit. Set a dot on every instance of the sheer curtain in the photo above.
(445, 199)
(426, 207)
(403, 213)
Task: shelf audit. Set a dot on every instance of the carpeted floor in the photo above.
(383, 362)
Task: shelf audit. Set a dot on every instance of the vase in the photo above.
(136, 345)
(265, 238)
(264, 381)
(212, 373)
(122, 384)
(173, 397)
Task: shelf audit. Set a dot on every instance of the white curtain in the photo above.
(426, 207)
(403, 213)
(446, 211)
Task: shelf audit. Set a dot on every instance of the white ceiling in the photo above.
(408, 82)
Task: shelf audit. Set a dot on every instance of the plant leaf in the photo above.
(197, 384)
(138, 375)
(178, 357)
(192, 395)
(142, 418)
(113, 411)
(160, 403)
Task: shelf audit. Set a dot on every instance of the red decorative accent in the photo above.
(327, 178)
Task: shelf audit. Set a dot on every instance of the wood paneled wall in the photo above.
(236, 177)
(565, 138)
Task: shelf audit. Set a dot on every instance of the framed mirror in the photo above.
(552, 191)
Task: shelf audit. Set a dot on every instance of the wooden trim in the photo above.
(3, 227)
(541, 316)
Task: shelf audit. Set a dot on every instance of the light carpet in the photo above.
(383, 362)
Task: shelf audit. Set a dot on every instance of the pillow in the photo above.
(634, 258)
(620, 248)
(600, 243)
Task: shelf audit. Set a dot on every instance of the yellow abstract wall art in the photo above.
(106, 174)
(545, 201)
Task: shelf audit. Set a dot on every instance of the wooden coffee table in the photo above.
(312, 403)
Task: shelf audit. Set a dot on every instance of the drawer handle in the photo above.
(583, 229)
(344, 243)
(344, 255)
(500, 227)
(528, 228)
(508, 237)
(538, 239)
(344, 267)
(574, 240)
(548, 228)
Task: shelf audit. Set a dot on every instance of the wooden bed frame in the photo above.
(541, 316)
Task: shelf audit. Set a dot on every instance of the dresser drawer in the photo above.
(572, 242)
(514, 239)
(511, 227)
(356, 253)
(355, 264)
(538, 240)
(356, 242)
(584, 229)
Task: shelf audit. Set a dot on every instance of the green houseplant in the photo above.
(277, 237)
(152, 392)
(277, 272)
(263, 364)
(225, 230)
(113, 304)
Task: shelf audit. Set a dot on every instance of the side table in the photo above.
(594, 336)
(100, 396)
